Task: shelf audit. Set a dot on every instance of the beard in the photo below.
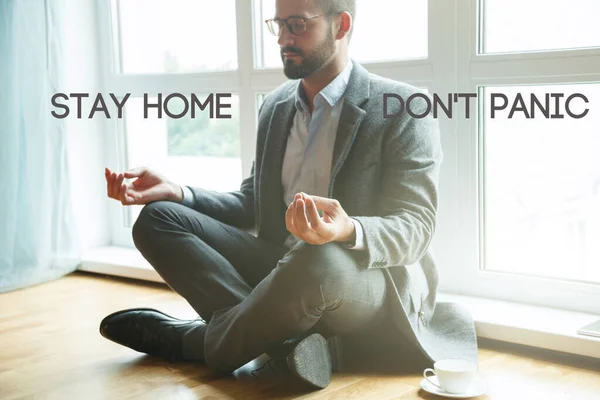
(311, 62)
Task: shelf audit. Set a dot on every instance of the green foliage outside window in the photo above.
(203, 136)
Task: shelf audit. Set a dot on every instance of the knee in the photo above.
(328, 267)
(148, 220)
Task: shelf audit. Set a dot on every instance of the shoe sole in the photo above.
(310, 361)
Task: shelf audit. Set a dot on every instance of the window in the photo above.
(153, 47)
(383, 32)
(541, 188)
(157, 36)
(199, 151)
(516, 25)
(519, 199)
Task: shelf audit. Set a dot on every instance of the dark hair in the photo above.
(335, 7)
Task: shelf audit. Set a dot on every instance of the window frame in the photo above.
(453, 65)
(461, 205)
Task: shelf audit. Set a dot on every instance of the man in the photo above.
(343, 202)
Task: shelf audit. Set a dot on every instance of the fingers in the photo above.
(300, 220)
(110, 189)
(108, 175)
(308, 223)
(313, 215)
(125, 199)
(295, 218)
(290, 215)
(135, 172)
(132, 197)
(113, 186)
(289, 219)
(303, 219)
(328, 205)
(116, 187)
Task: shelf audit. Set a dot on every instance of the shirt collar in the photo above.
(331, 93)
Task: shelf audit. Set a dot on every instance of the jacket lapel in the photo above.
(350, 120)
(351, 117)
(270, 193)
(276, 141)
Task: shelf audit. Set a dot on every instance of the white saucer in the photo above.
(477, 388)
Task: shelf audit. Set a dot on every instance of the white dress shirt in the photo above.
(309, 151)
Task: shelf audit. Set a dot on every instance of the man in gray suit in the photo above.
(342, 202)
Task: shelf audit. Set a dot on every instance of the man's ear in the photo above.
(345, 25)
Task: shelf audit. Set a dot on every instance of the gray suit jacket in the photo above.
(384, 173)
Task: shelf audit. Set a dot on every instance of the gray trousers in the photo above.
(256, 295)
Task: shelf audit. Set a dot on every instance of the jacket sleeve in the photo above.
(402, 232)
(233, 208)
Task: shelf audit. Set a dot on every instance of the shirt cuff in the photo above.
(359, 243)
(188, 197)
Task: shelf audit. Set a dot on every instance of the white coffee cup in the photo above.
(454, 376)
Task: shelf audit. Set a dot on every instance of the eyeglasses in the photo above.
(296, 25)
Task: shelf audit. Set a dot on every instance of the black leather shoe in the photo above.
(308, 360)
(148, 331)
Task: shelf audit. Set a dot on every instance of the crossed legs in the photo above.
(255, 295)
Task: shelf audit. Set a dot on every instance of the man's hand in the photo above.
(149, 186)
(334, 226)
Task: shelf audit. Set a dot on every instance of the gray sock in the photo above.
(192, 347)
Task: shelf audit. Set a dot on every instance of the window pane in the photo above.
(387, 30)
(517, 25)
(198, 151)
(175, 36)
(542, 187)
(392, 41)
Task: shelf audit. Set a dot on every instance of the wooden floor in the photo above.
(50, 348)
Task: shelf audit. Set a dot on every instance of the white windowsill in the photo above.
(118, 261)
(534, 326)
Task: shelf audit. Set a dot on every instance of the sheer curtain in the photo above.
(38, 241)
